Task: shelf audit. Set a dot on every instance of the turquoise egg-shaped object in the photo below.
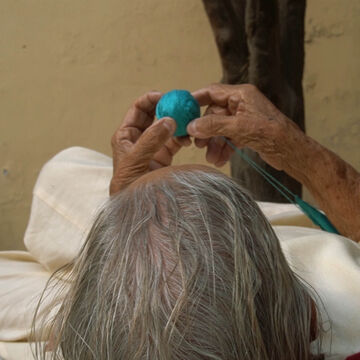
(179, 105)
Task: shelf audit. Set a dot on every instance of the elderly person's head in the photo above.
(181, 265)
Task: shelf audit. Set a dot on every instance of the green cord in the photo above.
(316, 216)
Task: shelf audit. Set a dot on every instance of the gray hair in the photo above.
(185, 267)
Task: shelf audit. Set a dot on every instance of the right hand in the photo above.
(246, 117)
(140, 145)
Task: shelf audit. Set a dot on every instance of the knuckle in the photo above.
(150, 141)
(153, 132)
(113, 140)
(250, 87)
(212, 124)
(234, 98)
(137, 103)
(214, 86)
(120, 136)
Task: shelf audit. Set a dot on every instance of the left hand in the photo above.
(140, 146)
(246, 117)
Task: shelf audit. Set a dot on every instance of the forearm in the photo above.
(334, 183)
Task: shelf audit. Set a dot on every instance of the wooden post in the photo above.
(262, 42)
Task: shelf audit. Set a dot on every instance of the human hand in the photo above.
(139, 145)
(245, 116)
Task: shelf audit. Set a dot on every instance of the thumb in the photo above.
(153, 139)
(212, 125)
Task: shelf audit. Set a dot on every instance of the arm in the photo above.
(245, 116)
(334, 184)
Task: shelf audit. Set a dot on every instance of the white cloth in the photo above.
(70, 189)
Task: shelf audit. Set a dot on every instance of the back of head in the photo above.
(183, 268)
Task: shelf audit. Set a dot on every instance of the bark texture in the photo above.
(262, 42)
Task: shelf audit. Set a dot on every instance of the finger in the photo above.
(138, 118)
(142, 113)
(216, 94)
(211, 109)
(212, 125)
(154, 165)
(165, 155)
(233, 104)
(201, 143)
(174, 145)
(225, 156)
(128, 134)
(214, 149)
(147, 102)
(122, 142)
(220, 163)
(153, 139)
(217, 110)
(183, 140)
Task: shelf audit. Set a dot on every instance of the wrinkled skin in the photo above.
(140, 145)
(244, 115)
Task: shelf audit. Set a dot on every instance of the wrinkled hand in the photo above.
(242, 114)
(140, 145)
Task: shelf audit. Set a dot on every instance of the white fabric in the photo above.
(73, 186)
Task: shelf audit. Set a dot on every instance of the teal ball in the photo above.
(179, 105)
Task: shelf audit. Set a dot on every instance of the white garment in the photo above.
(74, 185)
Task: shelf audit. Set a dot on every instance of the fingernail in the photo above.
(155, 92)
(170, 124)
(191, 128)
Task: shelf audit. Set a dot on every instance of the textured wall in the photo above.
(332, 76)
(69, 69)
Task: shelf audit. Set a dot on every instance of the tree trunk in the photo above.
(262, 42)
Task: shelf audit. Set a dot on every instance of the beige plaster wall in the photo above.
(69, 70)
(332, 76)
